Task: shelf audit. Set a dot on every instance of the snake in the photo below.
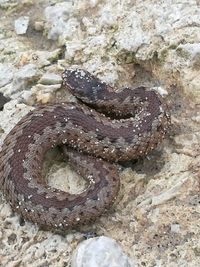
(102, 128)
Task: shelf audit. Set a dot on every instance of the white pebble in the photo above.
(99, 252)
(21, 24)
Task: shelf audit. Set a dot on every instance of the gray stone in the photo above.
(21, 25)
(6, 74)
(58, 22)
(50, 78)
(23, 76)
(100, 252)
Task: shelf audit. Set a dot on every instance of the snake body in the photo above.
(133, 122)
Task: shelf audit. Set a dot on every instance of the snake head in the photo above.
(82, 84)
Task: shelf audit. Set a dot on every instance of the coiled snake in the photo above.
(133, 122)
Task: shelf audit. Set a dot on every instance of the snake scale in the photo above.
(132, 123)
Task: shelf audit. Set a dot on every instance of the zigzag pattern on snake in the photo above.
(133, 122)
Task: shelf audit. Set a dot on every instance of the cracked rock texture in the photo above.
(156, 216)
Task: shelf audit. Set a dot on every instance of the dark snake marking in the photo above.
(133, 123)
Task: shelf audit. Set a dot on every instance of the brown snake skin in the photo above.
(133, 123)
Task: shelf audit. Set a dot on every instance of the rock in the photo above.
(44, 93)
(100, 252)
(24, 76)
(50, 78)
(6, 74)
(58, 22)
(26, 72)
(39, 26)
(39, 58)
(73, 183)
(175, 228)
(192, 50)
(4, 3)
(21, 25)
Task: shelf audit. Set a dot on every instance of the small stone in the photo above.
(28, 71)
(175, 228)
(23, 77)
(50, 78)
(192, 50)
(6, 73)
(39, 26)
(21, 24)
(100, 251)
(44, 93)
(196, 118)
(161, 90)
(58, 22)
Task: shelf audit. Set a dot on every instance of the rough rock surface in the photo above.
(156, 216)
